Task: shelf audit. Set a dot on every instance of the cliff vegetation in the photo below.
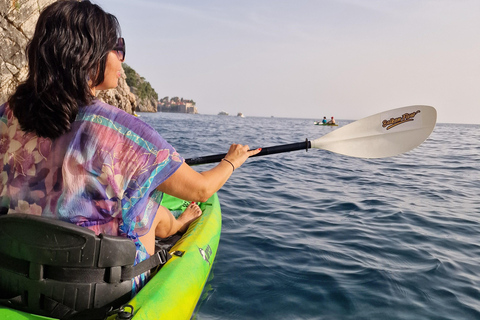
(147, 97)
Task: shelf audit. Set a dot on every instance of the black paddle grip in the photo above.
(265, 151)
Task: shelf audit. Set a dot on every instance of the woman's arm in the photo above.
(191, 185)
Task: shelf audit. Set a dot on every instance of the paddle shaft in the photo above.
(305, 145)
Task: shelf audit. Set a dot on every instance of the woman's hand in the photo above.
(191, 185)
(238, 154)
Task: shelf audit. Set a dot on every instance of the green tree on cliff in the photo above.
(138, 84)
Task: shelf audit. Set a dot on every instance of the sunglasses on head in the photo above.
(120, 49)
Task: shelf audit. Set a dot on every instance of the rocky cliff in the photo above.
(17, 24)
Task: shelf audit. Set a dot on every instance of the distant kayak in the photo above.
(317, 123)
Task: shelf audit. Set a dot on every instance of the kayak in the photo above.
(174, 291)
(325, 124)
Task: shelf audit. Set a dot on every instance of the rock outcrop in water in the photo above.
(17, 25)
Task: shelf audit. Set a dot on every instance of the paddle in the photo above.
(382, 135)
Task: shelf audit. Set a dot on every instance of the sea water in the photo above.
(317, 235)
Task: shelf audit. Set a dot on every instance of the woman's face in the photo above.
(113, 72)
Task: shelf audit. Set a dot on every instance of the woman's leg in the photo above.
(165, 225)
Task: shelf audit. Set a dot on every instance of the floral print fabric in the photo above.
(102, 174)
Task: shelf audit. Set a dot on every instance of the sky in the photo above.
(308, 58)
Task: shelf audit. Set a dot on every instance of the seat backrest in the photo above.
(47, 262)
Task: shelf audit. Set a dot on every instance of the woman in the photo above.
(66, 155)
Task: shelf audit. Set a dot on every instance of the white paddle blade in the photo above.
(385, 134)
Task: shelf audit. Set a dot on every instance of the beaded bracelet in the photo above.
(233, 167)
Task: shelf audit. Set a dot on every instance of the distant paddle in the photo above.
(382, 135)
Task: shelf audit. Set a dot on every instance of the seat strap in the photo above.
(55, 309)
(67, 274)
(159, 258)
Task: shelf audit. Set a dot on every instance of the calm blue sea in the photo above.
(317, 235)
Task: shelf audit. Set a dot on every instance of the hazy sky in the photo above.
(308, 59)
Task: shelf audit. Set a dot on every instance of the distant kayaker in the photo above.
(64, 154)
(331, 121)
(324, 121)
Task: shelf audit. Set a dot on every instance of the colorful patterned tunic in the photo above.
(101, 175)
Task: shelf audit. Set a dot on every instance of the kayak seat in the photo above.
(55, 268)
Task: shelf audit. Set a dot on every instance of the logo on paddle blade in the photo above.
(393, 122)
(206, 253)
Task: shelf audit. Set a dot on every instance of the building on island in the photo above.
(176, 105)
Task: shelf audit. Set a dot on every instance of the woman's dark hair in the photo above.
(68, 50)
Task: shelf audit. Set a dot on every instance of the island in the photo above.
(176, 105)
